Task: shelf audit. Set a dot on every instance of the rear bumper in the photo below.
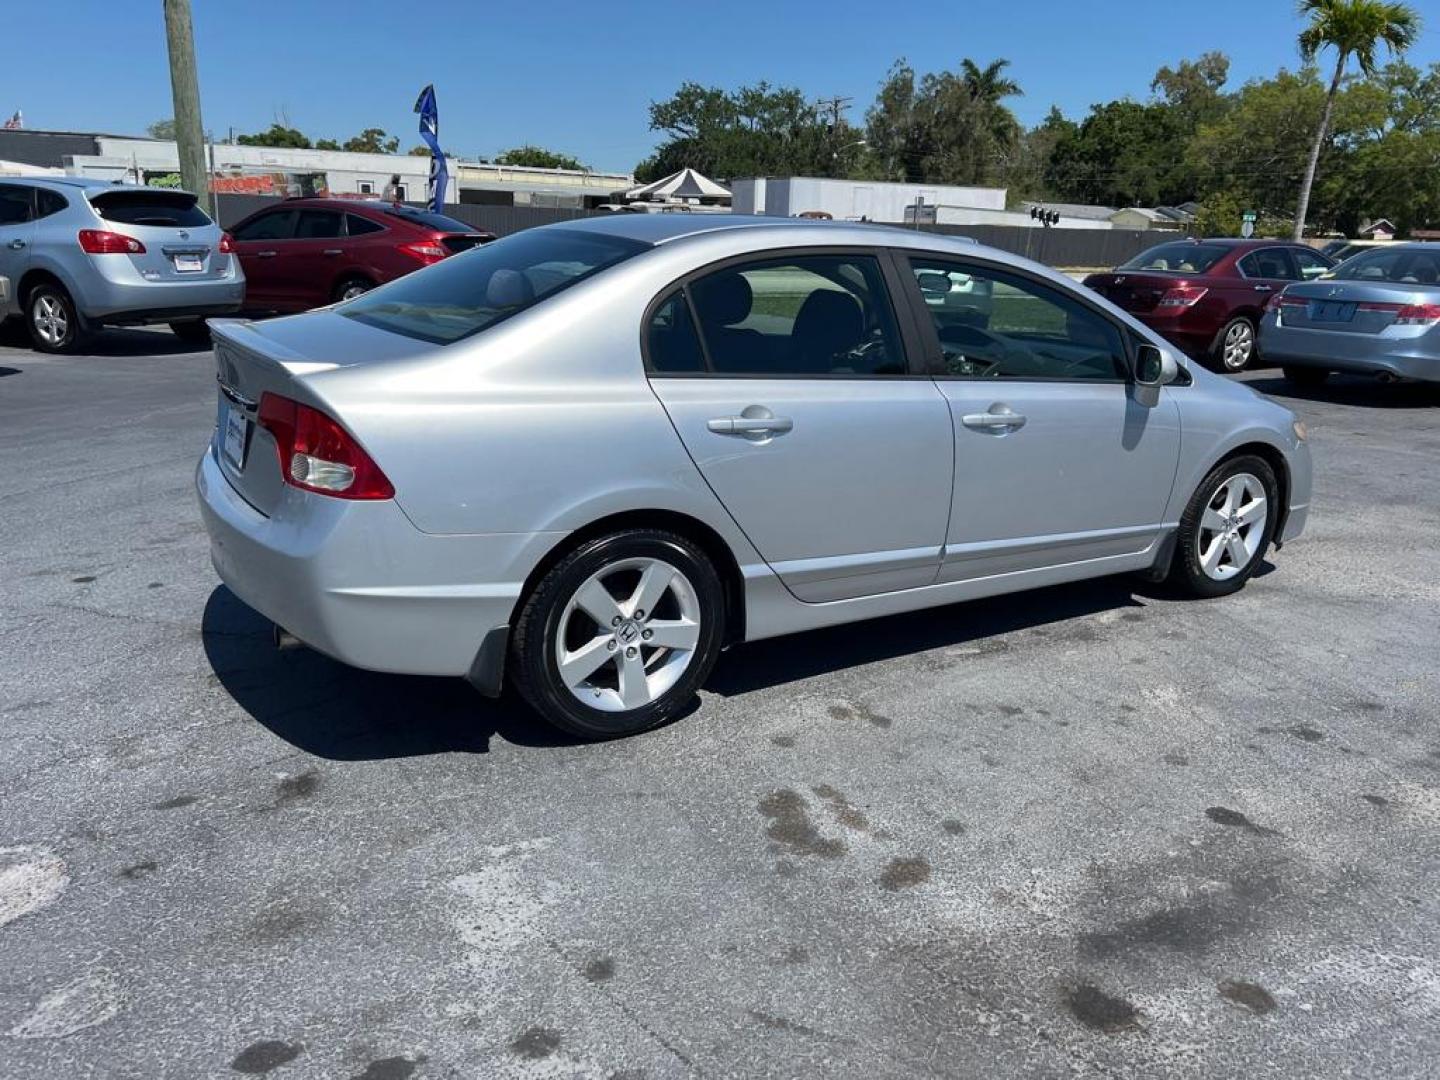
(110, 302)
(358, 581)
(1362, 354)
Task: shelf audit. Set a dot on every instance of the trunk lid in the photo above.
(280, 356)
(181, 242)
(1350, 307)
(1138, 292)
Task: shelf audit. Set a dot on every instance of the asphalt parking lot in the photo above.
(1083, 831)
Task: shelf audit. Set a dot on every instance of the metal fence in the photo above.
(1056, 247)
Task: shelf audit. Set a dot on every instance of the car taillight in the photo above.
(1280, 300)
(319, 455)
(100, 242)
(1418, 315)
(227, 244)
(427, 251)
(1183, 296)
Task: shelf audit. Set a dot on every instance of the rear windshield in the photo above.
(1185, 258)
(468, 292)
(177, 209)
(429, 220)
(1387, 264)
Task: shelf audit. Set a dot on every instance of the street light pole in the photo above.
(185, 90)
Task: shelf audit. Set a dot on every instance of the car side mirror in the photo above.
(934, 285)
(1155, 367)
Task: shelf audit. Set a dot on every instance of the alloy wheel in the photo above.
(1232, 526)
(1238, 346)
(627, 634)
(51, 321)
(354, 289)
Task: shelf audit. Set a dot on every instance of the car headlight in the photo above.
(1300, 431)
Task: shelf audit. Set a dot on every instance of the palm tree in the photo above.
(988, 87)
(1352, 28)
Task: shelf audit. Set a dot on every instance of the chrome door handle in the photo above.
(1264, 288)
(331, 251)
(16, 245)
(991, 421)
(264, 254)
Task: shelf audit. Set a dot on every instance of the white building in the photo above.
(852, 200)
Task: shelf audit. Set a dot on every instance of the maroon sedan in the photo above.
(1207, 296)
(305, 253)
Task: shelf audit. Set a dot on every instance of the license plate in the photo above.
(1332, 311)
(237, 437)
(189, 264)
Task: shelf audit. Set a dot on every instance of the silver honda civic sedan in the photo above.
(1377, 313)
(586, 458)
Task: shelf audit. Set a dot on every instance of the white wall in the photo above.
(848, 200)
(964, 215)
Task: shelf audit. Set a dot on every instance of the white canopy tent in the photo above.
(680, 186)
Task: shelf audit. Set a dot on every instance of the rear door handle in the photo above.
(331, 251)
(1264, 288)
(264, 254)
(994, 421)
(16, 245)
(756, 420)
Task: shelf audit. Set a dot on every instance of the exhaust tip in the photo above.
(282, 638)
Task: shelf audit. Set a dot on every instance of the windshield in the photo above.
(1186, 258)
(175, 209)
(1404, 267)
(429, 220)
(467, 293)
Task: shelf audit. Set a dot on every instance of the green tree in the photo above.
(1122, 154)
(538, 157)
(419, 151)
(161, 129)
(326, 144)
(1352, 28)
(372, 141)
(276, 135)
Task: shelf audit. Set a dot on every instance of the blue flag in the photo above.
(430, 132)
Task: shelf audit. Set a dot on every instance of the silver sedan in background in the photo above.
(1377, 313)
(588, 457)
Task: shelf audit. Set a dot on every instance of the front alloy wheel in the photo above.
(1226, 528)
(618, 635)
(54, 324)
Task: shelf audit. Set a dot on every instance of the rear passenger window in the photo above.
(996, 325)
(48, 202)
(14, 205)
(672, 344)
(317, 225)
(811, 315)
(1269, 263)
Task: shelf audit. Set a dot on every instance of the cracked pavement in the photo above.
(1084, 831)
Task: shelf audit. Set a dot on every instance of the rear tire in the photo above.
(591, 660)
(1306, 376)
(1225, 532)
(52, 320)
(352, 287)
(1235, 347)
(192, 331)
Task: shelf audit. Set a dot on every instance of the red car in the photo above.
(1207, 296)
(305, 253)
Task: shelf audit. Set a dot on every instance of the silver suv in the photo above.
(76, 254)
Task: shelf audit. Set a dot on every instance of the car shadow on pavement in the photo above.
(1352, 390)
(111, 342)
(334, 711)
(818, 652)
(8, 371)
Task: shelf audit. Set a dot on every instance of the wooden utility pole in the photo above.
(185, 89)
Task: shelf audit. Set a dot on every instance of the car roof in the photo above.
(87, 184)
(664, 228)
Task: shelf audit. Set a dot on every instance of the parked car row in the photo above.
(77, 254)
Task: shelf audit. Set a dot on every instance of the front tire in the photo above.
(52, 320)
(1235, 347)
(352, 287)
(618, 636)
(1226, 529)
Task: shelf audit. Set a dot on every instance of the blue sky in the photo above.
(578, 77)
